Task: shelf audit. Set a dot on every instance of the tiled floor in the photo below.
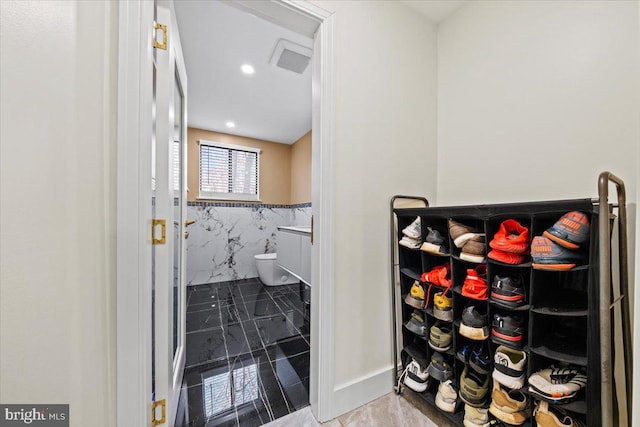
(247, 354)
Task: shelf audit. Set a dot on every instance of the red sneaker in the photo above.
(475, 285)
(511, 237)
(439, 276)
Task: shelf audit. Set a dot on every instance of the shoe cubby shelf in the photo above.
(560, 309)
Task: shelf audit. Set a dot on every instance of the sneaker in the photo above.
(571, 231)
(474, 387)
(409, 242)
(461, 233)
(440, 369)
(413, 230)
(475, 284)
(447, 396)
(440, 337)
(474, 249)
(507, 257)
(464, 353)
(416, 325)
(415, 297)
(557, 385)
(508, 330)
(476, 417)
(435, 243)
(480, 360)
(509, 406)
(508, 290)
(417, 377)
(439, 276)
(510, 367)
(549, 256)
(474, 325)
(511, 237)
(442, 307)
(547, 416)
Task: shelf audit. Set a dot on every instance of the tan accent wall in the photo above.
(275, 165)
(301, 170)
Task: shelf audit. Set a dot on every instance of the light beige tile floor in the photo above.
(387, 411)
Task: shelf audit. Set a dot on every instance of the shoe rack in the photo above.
(561, 309)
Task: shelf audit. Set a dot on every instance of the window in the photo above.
(228, 172)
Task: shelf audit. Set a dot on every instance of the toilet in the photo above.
(270, 273)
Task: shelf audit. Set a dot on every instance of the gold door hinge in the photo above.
(157, 421)
(156, 44)
(163, 225)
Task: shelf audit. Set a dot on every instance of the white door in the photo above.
(169, 205)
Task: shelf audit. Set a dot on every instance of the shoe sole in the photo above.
(446, 315)
(552, 267)
(464, 238)
(472, 258)
(441, 349)
(414, 302)
(477, 334)
(416, 386)
(564, 243)
(507, 417)
(432, 249)
(445, 406)
(469, 423)
(507, 381)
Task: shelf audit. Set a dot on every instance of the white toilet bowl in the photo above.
(270, 273)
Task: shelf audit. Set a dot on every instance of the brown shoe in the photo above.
(461, 233)
(474, 249)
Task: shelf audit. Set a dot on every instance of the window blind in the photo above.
(225, 172)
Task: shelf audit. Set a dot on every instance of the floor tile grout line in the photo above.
(288, 321)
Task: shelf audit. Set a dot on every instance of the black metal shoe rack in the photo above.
(557, 301)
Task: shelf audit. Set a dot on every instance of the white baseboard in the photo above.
(361, 391)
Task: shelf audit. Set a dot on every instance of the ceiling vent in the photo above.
(291, 56)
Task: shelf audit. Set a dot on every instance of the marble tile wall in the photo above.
(226, 236)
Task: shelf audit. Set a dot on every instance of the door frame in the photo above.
(133, 255)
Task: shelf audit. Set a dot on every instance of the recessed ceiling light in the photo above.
(230, 124)
(247, 69)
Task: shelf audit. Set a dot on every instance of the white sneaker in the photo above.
(476, 417)
(413, 230)
(510, 367)
(447, 396)
(417, 378)
(409, 242)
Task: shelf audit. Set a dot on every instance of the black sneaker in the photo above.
(508, 330)
(474, 325)
(416, 325)
(508, 290)
(480, 360)
(435, 243)
(464, 353)
(440, 369)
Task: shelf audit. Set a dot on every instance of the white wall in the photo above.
(57, 292)
(535, 99)
(385, 59)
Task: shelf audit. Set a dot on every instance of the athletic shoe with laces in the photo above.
(440, 337)
(474, 387)
(439, 368)
(510, 367)
(571, 231)
(547, 255)
(476, 417)
(413, 230)
(447, 396)
(508, 290)
(548, 416)
(508, 330)
(442, 307)
(509, 406)
(461, 233)
(474, 249)
(511, 237)
(475, 284)
(474, 325)
(464, 353)
(409, 242)
(507, 258)
(439, 276)
(416, 325)
(435, 243)
(557, 385)
(415, 297)
(416, 377)
(480, 359)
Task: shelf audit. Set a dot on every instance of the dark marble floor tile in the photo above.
(204, 319)
(297, 395)
(205, 346)
(292, 369)
(229, 315)
(253, 288)
(275, 328)
(242, 338)
(287, 348)
(193, 375)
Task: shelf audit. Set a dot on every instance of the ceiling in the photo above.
(435, 10)
(217, 39)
